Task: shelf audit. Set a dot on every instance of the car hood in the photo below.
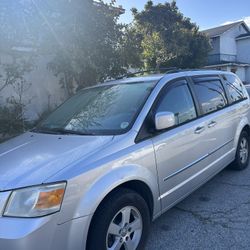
(32, 158)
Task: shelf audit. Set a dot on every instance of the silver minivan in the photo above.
(114, 157)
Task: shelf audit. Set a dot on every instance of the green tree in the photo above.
(94, 46)
(169, 38)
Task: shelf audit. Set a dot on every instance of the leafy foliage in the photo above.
(11, 121)
(14, 73)
(169, 38)
(12, 117)
(95, 47)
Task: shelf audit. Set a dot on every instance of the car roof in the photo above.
(154, 78)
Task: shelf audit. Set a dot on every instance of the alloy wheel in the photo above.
(125, 230)
(243, 150)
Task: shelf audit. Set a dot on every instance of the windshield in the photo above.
(107, 109)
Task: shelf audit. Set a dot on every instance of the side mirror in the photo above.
(164, 120)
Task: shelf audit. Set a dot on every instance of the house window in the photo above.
(234, 70)
(211, 41)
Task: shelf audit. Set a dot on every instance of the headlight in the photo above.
(35, 201)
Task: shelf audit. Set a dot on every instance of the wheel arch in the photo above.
(137, 186)
(243, 125)
(247, 129)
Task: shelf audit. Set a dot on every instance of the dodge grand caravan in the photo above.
(114, 157)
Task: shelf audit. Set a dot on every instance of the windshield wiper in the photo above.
(73, 132)
(60, 131)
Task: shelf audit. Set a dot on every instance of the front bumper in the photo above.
(42, 234)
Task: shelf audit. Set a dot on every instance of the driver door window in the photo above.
(179, 101)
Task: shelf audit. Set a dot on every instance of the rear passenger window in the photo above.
(235, 88)
(210, 94)
(178, 100)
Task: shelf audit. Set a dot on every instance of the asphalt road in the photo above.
(216, 216)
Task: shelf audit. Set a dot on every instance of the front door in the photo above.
(181, 152)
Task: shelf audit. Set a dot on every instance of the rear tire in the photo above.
(242, 153)
(122, 220)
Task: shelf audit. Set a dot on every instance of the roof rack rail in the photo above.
(157, 70)
(160, 70)
(188, 69)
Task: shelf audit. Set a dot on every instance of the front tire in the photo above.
(121, 222)
(242, 154)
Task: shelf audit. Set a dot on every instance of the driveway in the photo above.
(216, 216)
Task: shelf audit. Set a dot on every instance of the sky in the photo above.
(205, 13)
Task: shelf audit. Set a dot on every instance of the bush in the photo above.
(12, 122)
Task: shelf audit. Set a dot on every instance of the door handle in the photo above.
(211, 124)
(199, 130)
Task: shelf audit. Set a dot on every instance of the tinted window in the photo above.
(179, 101)
(235, 88)
(210, 94)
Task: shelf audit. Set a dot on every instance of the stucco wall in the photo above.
(248, 75)
(44, 90)
(241, 73)
(228, 42)
(243, 49)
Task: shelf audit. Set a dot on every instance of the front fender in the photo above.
(85, 193)
(114, 178)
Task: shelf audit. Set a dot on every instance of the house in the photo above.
(230, 49)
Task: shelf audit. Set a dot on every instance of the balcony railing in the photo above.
(221, 58)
